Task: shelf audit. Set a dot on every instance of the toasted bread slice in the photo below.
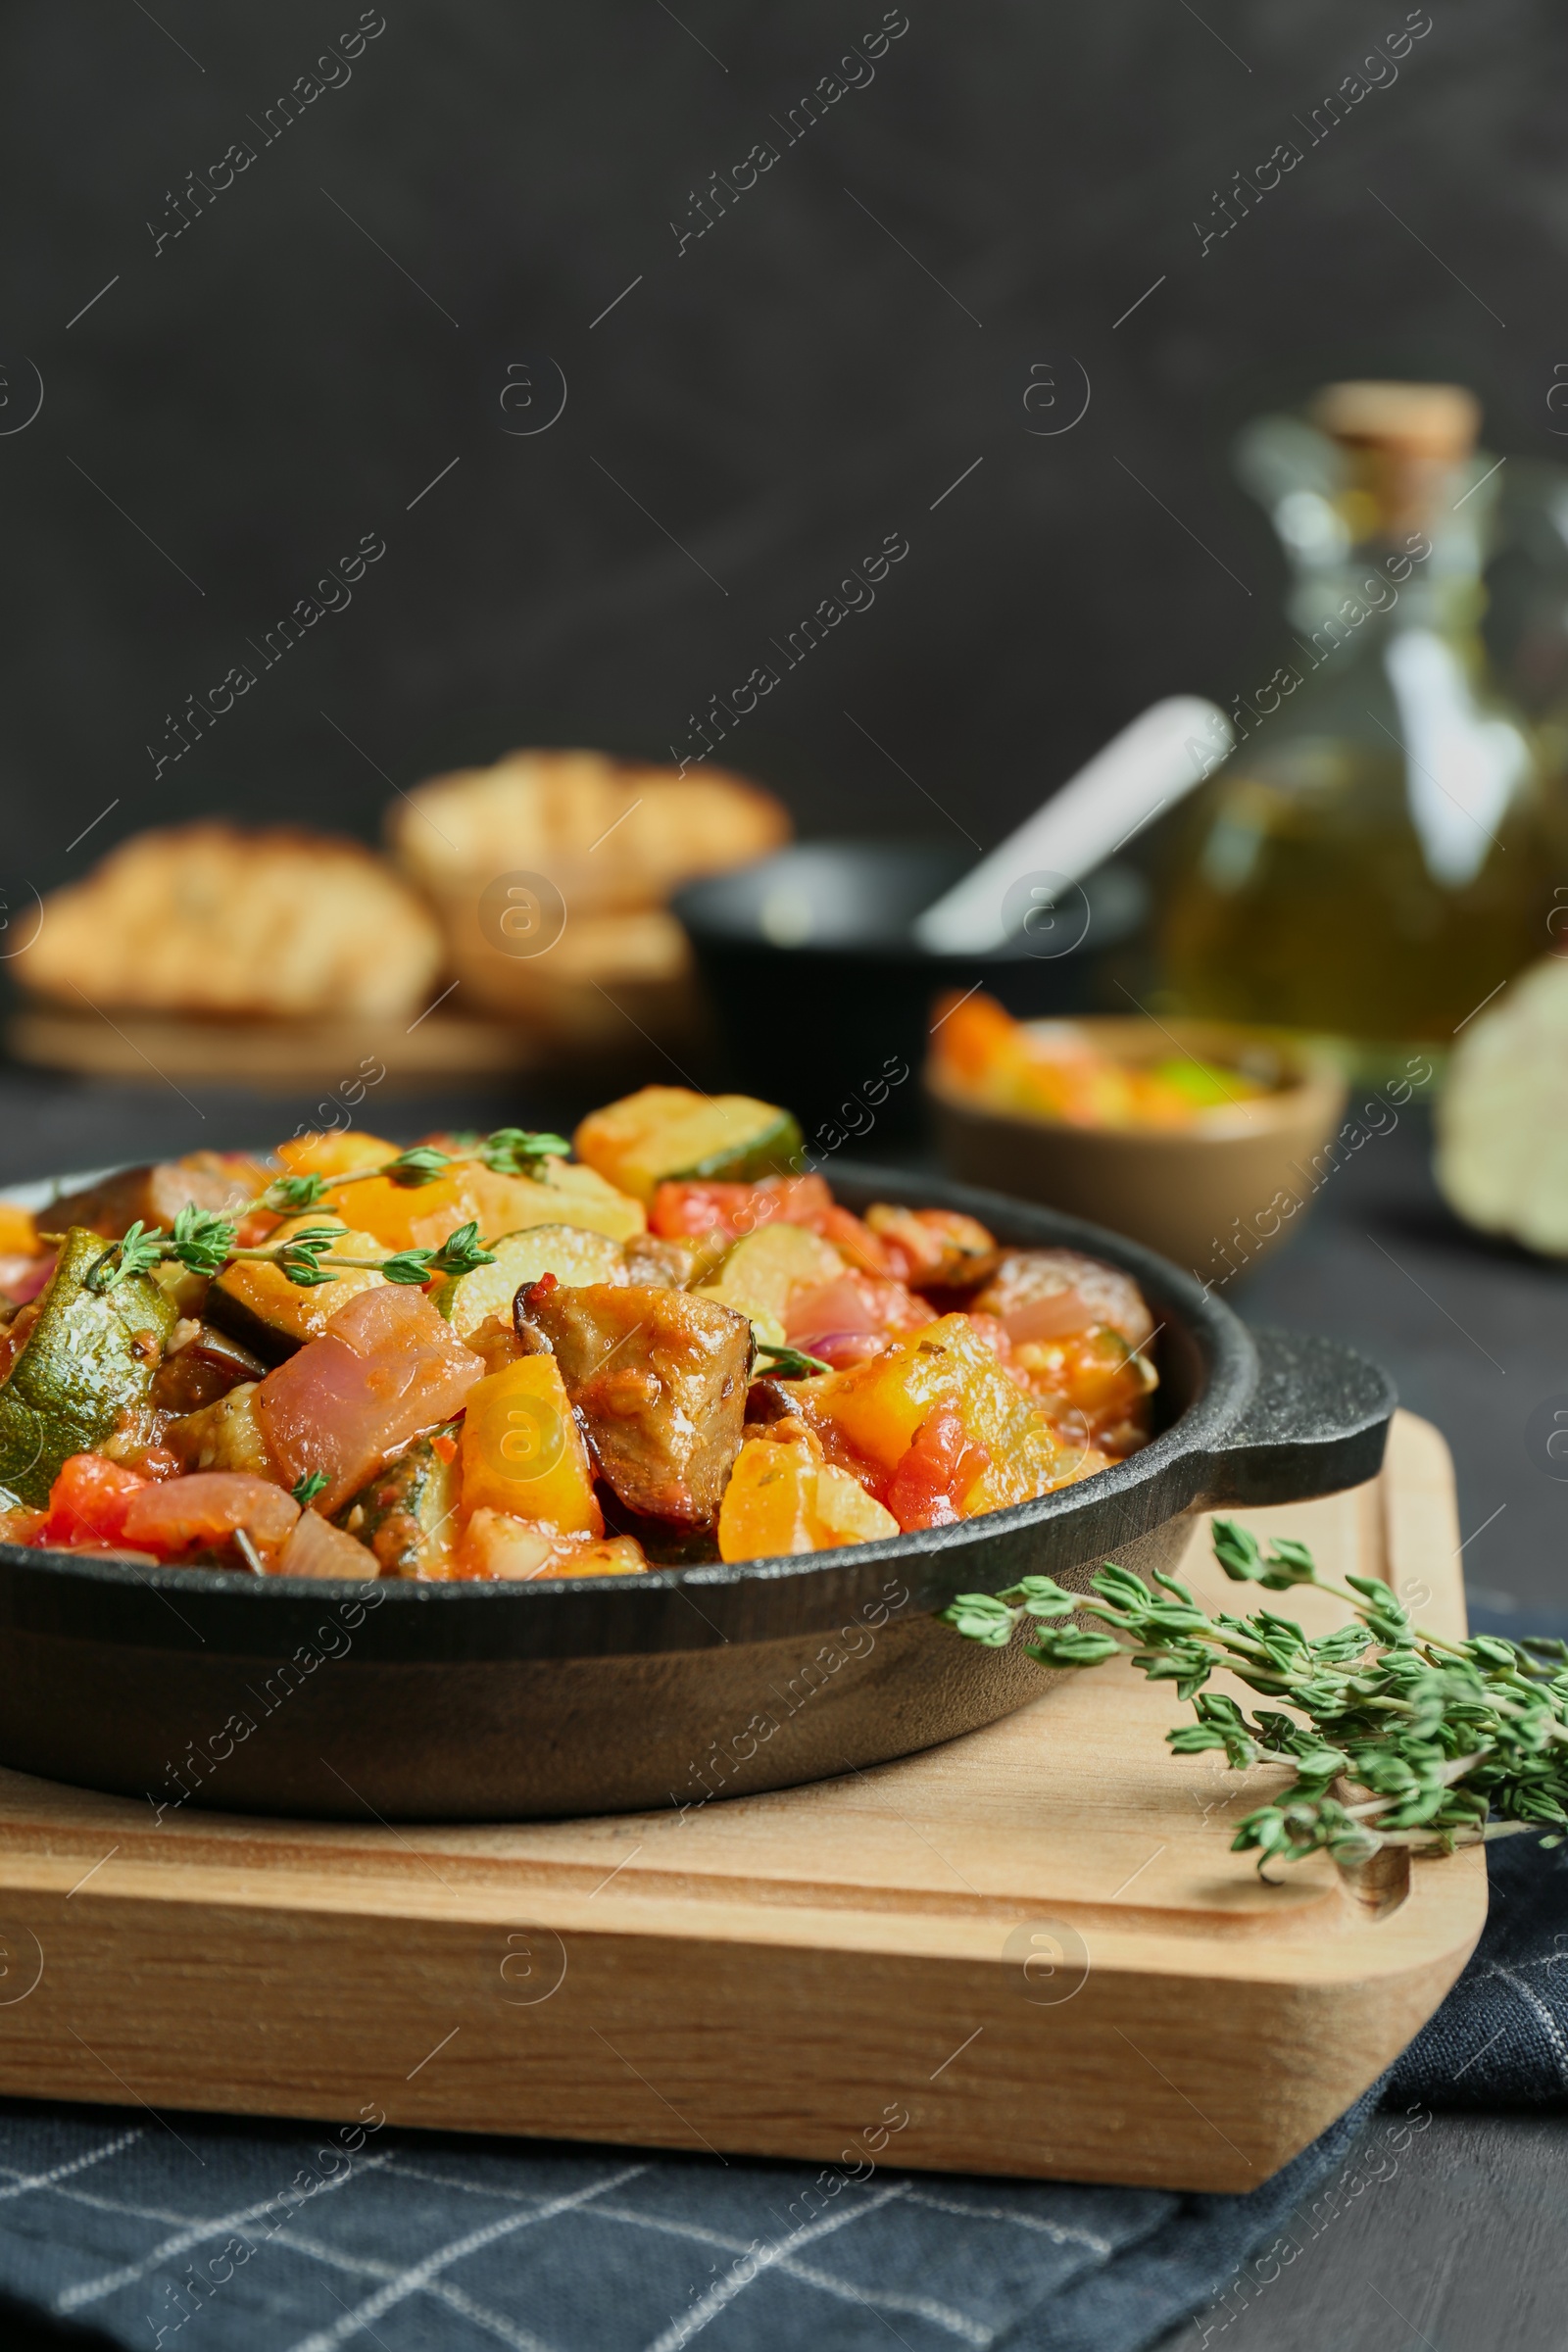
(608, 833)
(207, 918)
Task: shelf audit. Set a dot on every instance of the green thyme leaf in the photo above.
(462, 1253)
(409, 1266)
(1042, 1597)
(459, 1254)
(307, 1489)
(791, 1364)
(517, 1151)
(202, 1239)
(299, 1258)
(286, 1196)
(420, 1164)
(1237, 1551)
(1072, 1645)
(983, 1617)
(135, 1253)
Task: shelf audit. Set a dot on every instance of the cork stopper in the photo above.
(1430, 421)
(1404, 443)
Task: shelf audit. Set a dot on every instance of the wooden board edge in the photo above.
(280, 1057)
(1116, 2079)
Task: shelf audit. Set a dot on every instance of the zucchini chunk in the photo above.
(665, 1133)
(88, 1358)
(570, 1252)
(407, 1515)
(764, 1267)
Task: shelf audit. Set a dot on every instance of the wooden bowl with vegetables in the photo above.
(1193, 1137)
(504, 1476)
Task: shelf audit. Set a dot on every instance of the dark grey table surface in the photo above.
(1462, 2248)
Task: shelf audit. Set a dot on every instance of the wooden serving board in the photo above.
(1028, 1952)
(278, 1057)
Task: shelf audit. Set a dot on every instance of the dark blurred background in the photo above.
(849, 336)
(368, 331)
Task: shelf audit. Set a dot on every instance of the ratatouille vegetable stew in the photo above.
(513, 1357)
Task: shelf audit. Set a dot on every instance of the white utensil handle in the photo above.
(1147, 769)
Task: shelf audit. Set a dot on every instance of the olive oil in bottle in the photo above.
(1376, 856)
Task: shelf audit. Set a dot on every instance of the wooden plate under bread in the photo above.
(278, 1055)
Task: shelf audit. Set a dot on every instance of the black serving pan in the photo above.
(821, 992)
(466, 1701)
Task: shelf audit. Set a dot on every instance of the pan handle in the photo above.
(1318, 1421)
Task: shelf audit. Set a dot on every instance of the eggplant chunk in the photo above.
(225, 1436)
(408, 1513)
(87, 1359)
(659, 1377)
(156, 1195)
(667, 1266)
(200, 1364)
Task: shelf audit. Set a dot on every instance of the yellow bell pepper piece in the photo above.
(421, 1216)
(880, 1405)
(398, 1217)
(522, 1452)
(783, 1499)
(295, 1310)
(329, 1154)
(19, 1232)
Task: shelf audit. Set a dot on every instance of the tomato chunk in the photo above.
(862, 1248)
(928, 1487)
(933, 1246)
(88, 1501)
(686, 1207)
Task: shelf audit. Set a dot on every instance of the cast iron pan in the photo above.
(431, 1702)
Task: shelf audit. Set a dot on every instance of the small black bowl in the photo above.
(822, 994)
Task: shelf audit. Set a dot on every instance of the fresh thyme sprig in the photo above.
(459, 1254)
(207, 1243)
(1394, 1735)
(506, 1151)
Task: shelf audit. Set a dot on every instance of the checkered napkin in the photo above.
(190, 2233)
(182, 2235)
(1501, 2038)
